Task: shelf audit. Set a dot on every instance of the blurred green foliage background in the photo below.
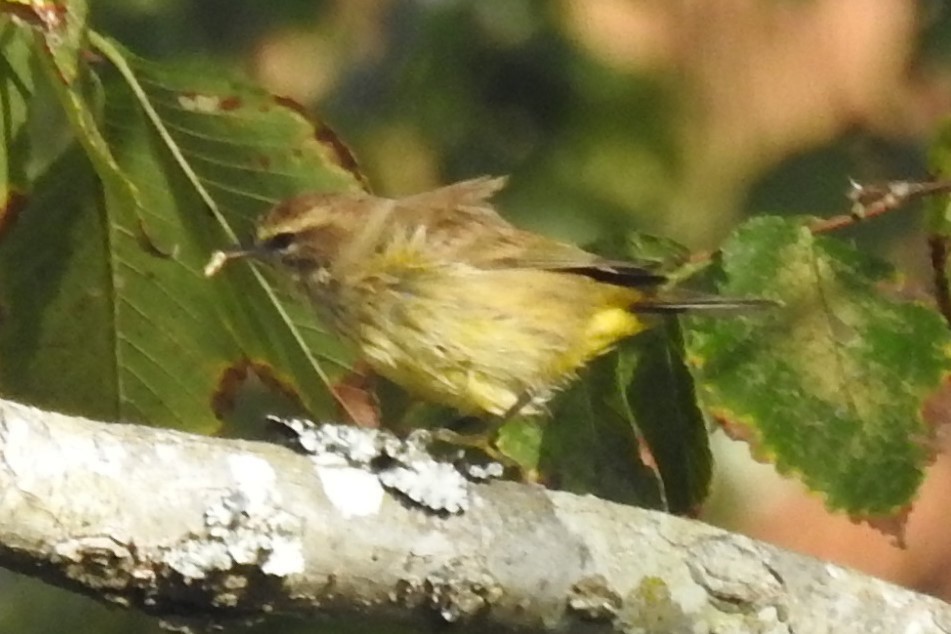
(674, 117)
(670, 116)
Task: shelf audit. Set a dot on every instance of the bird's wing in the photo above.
(539, 252)
(468, 197)
(463, 226)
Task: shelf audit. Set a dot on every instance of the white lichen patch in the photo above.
(352, 491)
(196, 558)
(437, 485)
(285, 558)
(460, 592)
(245, 526)
(254, 478)
(355, 464)
(488, 471)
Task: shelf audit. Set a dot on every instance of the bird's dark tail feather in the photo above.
(666, 306)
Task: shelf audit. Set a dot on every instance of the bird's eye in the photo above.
(279, 241)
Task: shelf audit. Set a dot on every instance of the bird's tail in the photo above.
(706, 303)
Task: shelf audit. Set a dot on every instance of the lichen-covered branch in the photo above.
(212, 530)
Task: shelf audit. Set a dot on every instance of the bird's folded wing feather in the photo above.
(461, 223)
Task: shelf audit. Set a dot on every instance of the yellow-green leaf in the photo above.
(831, 386)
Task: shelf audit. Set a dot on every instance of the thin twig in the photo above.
(869, 201)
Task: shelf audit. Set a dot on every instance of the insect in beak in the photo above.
(220, 258)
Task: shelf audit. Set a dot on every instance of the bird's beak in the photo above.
(219, 259)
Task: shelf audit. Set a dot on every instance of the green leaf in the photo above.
(520, 440)
(656, 395)
(16, 86)
(654, 252)
(588, 444)
(62, 28)
(58, 336)
(831, 386)
(187, 159)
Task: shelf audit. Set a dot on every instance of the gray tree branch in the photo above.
(211, 530)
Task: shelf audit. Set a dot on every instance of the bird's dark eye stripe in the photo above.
(279, 241)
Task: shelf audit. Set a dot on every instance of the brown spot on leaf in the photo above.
(737, 430)
(892, 526)
(329, 139)
(230, 103)
(232, 378)
(274, 381)
(91, 57)
(10, 211)
(647, 456)
(345, 157)
(47, 16)
(357, 398)
(290, 104)
(226, 392)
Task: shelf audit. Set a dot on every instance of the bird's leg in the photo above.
(483, 441)
(524, 400)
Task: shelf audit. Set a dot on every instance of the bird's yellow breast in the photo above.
(480, 340)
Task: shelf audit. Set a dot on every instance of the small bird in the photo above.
(444, 297)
